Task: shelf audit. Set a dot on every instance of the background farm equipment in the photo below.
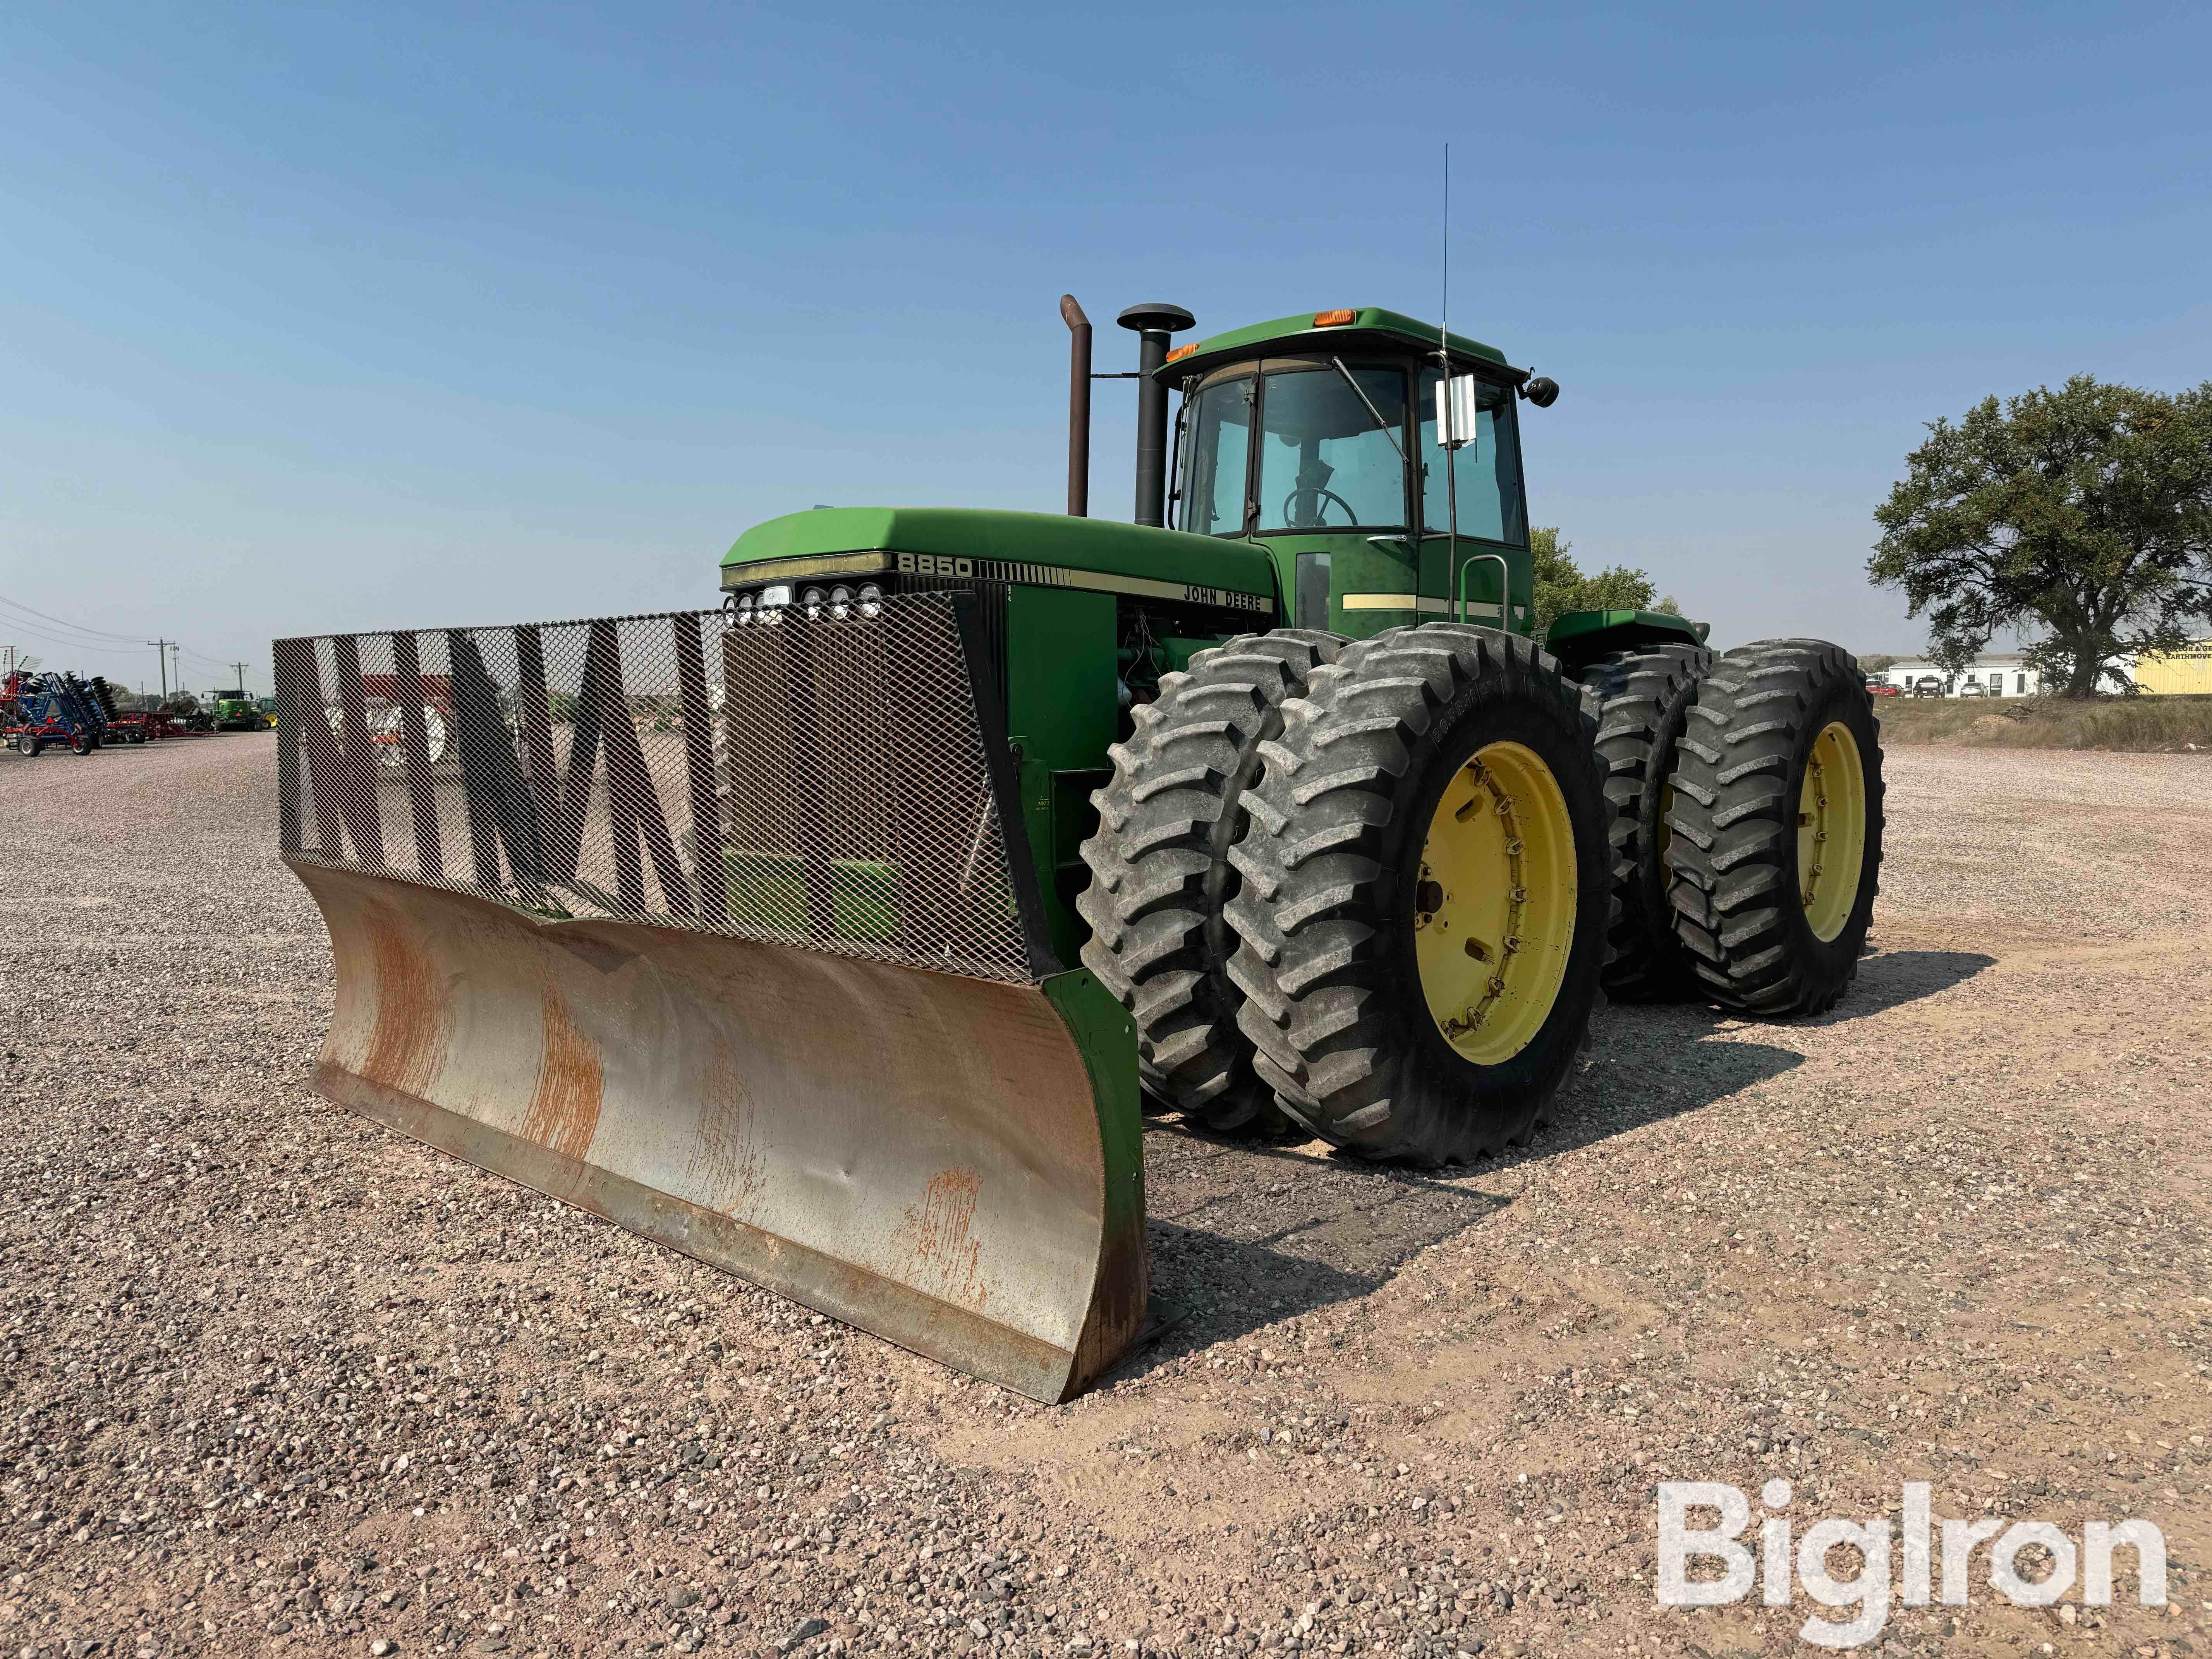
(389, 712)
(140, 726)
(757, 931)
(44, 709)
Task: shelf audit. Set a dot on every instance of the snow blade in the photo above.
(857, 1079)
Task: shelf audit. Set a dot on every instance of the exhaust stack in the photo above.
(1153, 324)
(1079, 407)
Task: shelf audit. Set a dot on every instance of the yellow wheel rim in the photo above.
(1494, 905)
(1830, 831)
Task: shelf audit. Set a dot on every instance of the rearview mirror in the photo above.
(1455, 411)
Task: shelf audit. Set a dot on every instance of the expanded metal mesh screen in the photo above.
(827, 782)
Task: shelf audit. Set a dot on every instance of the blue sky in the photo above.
(351, 317)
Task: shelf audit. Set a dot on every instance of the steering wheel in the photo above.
(1321, 511)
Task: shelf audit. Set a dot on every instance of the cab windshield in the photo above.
(1324, 461)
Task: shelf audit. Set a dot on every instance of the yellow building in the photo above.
(2188, 670)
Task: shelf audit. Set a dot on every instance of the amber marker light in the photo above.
(1182, 351)
(1332, 319)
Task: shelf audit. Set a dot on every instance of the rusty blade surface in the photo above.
(951, 1163)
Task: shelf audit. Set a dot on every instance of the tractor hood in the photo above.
(853, 541)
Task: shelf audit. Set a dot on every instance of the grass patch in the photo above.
(2151, 724)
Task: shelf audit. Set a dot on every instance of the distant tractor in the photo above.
(756, 930)
(234, 711)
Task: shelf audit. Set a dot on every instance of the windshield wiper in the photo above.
(1360, 392)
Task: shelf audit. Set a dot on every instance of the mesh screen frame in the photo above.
(848, 777)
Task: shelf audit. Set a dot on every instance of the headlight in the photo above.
(811, 601)
(871, 600)
(840, 602)
(745, 608)
(772, 598)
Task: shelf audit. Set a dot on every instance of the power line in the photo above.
(208, 665)
(63, 643)
(79, 627)
(61, 637)
(92, 639)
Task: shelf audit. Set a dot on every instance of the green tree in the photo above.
(2087, 510)
(1561, 586)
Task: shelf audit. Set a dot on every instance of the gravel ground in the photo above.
(275, 1380)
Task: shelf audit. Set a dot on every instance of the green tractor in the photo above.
(757, 930)
(234, 711)
(1353, 848)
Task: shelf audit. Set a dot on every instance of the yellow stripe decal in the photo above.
(1415, 602)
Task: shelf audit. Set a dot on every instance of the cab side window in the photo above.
(1488, 470)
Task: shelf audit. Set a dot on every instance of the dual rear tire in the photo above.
(1776, 828)
(1747, 798)
(1644, 698)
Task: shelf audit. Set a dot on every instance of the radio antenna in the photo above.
(1445, 433)
(1444, 326)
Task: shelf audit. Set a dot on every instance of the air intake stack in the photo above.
(1153, 324)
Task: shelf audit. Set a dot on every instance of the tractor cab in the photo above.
(1317, 437)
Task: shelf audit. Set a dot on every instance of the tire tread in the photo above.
(1161, 871)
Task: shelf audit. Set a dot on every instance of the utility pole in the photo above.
(162, 649)
(240, 681)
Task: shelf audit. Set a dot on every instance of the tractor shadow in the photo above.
(1894, 978)
(1245, 1235)
(1648, 1062)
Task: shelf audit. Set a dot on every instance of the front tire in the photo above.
(1425, 895)
(1160, 872)
(1777, 827)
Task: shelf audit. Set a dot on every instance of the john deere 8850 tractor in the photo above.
(836, 935)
